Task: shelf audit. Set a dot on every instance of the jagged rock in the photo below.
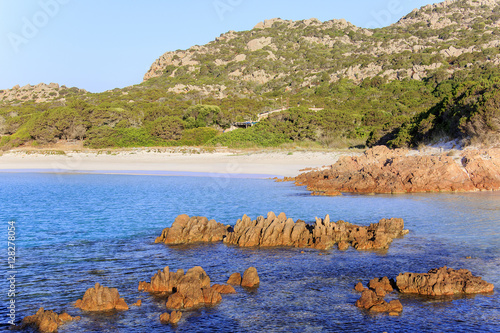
(101, 298)
(47, 321)
(381, 170)
(359, 287)
(224, 289)
(279, 230)
(250, 278)
(194, 229)
(186, 290)
(234, 279)
(138, 303)
(442, 281)
(370, 301)
(383, 283)
(172, 318)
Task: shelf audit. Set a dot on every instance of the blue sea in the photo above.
(73, 230)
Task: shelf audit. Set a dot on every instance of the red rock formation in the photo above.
(250, 278)
(187, 230)
(442, 281)
(370, 301)
(47, 321)
(186, 291)
(323, 234)
(162, 282)
(381, 170)
(101, 298)
(275, 231)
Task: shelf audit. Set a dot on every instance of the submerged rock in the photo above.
(172, 318)
(188, 230)
(101, 298)
(47, 321)
(442, 281)
(381, 170)
(279, 230)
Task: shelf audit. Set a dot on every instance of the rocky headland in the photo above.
(381, 170)
(280, 231)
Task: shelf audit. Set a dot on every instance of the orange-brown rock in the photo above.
(381, 170)
(234, 279)
(101, 298)
(172, 318)
(250, 278)
(370, 301)
(47, 321)
(162, 282)
(188, 230)
(185, 291)
(323, 234)
(272, 231)
(359, 287)
(138, 303)
(383, 284)
(224, 288)
(442, 281)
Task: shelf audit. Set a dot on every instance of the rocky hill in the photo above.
(431, 76)
(38, 93)
(276, 54)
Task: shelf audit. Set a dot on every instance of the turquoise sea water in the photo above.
(75, 230)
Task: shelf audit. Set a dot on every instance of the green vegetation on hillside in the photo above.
(416, 81)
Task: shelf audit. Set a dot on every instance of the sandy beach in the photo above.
(145, 161)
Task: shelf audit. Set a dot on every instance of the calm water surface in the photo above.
(75, 230)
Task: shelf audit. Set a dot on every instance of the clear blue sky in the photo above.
(106, 44)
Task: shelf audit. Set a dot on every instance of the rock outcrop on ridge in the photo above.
(101, 298)
(381, 170)
(442, 281)
(274, 231)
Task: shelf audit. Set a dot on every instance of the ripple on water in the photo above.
(76, 230)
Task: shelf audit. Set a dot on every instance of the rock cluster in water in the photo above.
(381, 170)
(47, 321)
(437, 282)
(442, 281)
(279, 230)
(101, 298)
(187, 291)
(372, 299)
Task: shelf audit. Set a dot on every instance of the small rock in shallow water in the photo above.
(250, 278)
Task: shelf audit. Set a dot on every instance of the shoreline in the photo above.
(174, 162)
